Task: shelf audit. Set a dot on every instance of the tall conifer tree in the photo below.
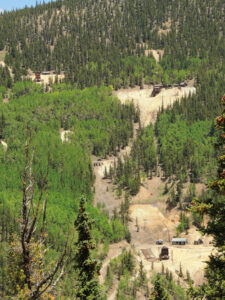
(87, 282)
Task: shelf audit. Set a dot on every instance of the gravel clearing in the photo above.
(149, 106)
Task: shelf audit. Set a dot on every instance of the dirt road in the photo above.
(148, 207)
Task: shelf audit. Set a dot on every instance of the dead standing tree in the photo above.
(36, 279)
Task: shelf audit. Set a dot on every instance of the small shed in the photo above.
(45, 73)
(159, 242)
(198, 242)
(179, 241)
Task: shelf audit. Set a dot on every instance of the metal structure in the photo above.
(38, 76)
(159, 242)
(164, 253)
(179, 241)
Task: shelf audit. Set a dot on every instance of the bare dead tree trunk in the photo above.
(30, 216)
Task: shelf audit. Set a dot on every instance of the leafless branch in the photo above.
(29, 222)
(49, 279)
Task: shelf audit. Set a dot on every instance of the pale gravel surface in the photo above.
(4, 145)
(149, 106)
(65, 134)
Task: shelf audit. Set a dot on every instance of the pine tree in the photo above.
(87, 286)
(181, 271)
(159, 292)
(142, 274)
(214, 208)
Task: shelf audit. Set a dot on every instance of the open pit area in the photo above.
(149, 106)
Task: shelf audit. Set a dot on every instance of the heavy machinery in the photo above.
(164, 253)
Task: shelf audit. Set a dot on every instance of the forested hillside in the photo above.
(106, 42)
(102, 46)
(98, 125)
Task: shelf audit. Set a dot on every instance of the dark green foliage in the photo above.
(86, 284)
(165, 288)
(124, 209)
(181, 271)
(101, 43)
(123, 267)
(26, 88)
(184, 224)
(142, 275)
(185, 131)
(5, 78)
(184, 149)
(109, 277)
(213, 207)
(159, 292)
(127, 172)
(123, 263)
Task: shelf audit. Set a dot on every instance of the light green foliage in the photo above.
(184, 224)
(26, 88)
(127, 174)
(123, 267)
(166, 288)
(184, 147)
(94, 117)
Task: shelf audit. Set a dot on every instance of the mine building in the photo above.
(156, 90)
(159, 242)
(198, 242)
(179, 241)
(97, 163)
(164, 253)
(38, 76)
(183, 84)
(45, 73)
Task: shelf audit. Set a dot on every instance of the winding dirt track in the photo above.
(148, 207)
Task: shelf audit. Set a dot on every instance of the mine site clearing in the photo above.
(148, 207)
(148, 104)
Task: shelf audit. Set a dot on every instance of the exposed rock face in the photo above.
(64, 134)
(4, 145)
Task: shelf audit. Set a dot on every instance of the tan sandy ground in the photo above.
(153, 222)
(2, 55)
(149, 106)
(64, 135)
(191, 258)
(114, 251)
(153, 225)
(45, 79)
(148, 208)
(157, 54)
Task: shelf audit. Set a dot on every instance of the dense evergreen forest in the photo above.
(108, 42)
(101, 45)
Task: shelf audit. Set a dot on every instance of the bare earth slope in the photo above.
(148, 207)
(149, 106)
